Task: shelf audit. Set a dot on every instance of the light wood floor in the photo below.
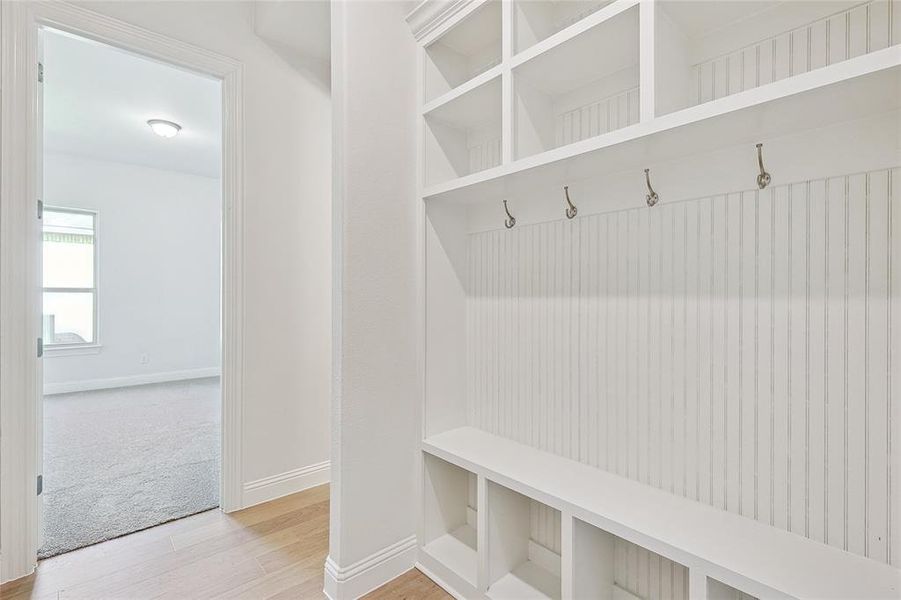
(274, 550)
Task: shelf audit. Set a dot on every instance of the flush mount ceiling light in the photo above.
(163, 128)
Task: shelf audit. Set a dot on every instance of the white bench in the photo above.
(738, 551)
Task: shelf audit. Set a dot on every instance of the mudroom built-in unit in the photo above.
(662, 298)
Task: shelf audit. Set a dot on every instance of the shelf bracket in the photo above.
(763, 179)
(652, 198)
(572, 211)
(511, 220)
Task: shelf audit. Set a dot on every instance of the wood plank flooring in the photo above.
(274, 551)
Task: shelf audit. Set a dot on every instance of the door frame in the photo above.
(20, 280)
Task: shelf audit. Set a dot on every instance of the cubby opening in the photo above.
(607, 567)
(537, 20)
(710, 50)
(463, 136)
(450, 509)
(469, 48)
(717, 590)
(523, 546)
(585, 87)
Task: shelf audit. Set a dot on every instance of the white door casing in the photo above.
(20, 275)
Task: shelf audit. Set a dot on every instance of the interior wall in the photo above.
(158, 278)
(375, 421)
(287, 239)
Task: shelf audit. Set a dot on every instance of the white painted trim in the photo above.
(20, 387)
(360, 578)
(289, 482)
(430, 18)
(76, 350)
(117, 382)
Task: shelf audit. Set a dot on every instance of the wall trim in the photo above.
(377, 569)
(429, 16)
(116, 382)
(282, 484)
(20, 370)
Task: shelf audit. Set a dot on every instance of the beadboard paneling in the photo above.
(738, 350)
(859, 30)
(545, 526)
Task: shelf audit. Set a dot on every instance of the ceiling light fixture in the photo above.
(163, 128)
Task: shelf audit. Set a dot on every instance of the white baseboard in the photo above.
(360, 578)
(289, 482)
(116, 382)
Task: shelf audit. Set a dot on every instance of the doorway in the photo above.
(21, 393)
(131, 262)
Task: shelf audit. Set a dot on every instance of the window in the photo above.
(70, 292)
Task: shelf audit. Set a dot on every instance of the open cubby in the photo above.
(607, 567)
(709, 50)
(523, 546)
(585, 87)
(450, 517)
(463, 136)
(717, 590)
(537, 20)
(469, 48)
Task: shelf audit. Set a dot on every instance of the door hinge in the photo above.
(40, 347)
(40, 484)
(41, 72)
(40, 209)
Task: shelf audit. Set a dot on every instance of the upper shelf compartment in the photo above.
(584, 87)
(537, 20)
(463, 135)
(471, 47)
(709, 50)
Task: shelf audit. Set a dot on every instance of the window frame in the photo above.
(76, 347)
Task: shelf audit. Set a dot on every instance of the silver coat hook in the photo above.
(763, 179)
(511, 220)
(572, 211)
(652, 198)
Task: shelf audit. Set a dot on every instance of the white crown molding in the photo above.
(377, 569)
(430, 15)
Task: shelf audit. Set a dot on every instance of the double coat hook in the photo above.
(763, 179)
(572, 211)
(652, 198)
(511, 220)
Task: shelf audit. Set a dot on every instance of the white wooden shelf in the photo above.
(457, 551)
(528, 581)
(470, 47)
(767, 562)
(579, 27)
(843, 91)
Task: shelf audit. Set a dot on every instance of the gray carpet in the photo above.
(121, 460)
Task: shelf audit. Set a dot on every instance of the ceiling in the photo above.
(97, 100)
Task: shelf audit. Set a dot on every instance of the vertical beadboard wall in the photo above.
(649, 575)
(738, 350)
(864, 28)
(597, 117)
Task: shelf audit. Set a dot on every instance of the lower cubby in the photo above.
(717, 590)
(523, 546)
(607, 567)
(449, 524)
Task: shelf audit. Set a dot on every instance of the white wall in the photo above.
(375, 424)
(158, 271)
(287, 237)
